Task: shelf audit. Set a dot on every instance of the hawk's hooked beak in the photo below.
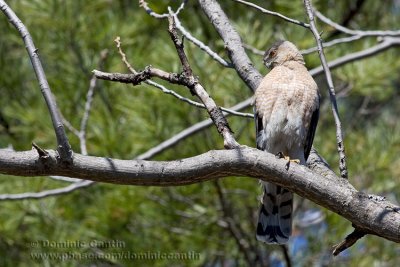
(268, 63)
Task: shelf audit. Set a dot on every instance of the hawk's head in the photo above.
(281, 52)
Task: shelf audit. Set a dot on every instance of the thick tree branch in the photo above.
(64, 148)
(320, 185)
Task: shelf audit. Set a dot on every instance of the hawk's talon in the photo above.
(292, 160)
(280, 155)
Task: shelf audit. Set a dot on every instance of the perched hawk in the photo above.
(286, 116)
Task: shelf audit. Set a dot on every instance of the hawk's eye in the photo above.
(272, 53)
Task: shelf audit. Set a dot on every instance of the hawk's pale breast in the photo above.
(286, 100)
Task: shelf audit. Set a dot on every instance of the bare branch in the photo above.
(200, 44)
(145, 5)
(387, 43)
(64, 179)
(64, 148)
(233, 43)
(355, 32)
(339, 135)
(88, 104)
(215, 113)
(52, 192)
(332, 43)
(350, 240)
(81, 134)
(311, 49)
(275, 14)
(171, 92)
(69, 126)
(324, 188)
(254, 50)
(353, 10)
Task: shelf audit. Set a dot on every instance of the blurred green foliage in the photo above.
(126, 121)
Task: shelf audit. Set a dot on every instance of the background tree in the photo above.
(127, 121)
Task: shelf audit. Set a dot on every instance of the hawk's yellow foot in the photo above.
(280, 155)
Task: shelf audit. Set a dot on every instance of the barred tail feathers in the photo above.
(275, 218)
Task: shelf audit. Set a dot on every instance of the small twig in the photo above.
(339, 135)
(311, 49)
(332, 43)
(42, 153)
(88, 104)
(350, 240)
(200, 44)
(276, 14)
(63, 146)
(145, 5)
(387, 43)
(355, 32)
(65, 179)
(118, 42)
(142, 76)
(254, 50)
(52, 192)
(178, 42)
(69, 126)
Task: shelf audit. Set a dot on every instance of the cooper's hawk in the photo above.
(286, 116)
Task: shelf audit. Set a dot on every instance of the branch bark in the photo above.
(319, 184)
(64, 148)
(194, 85)
(233, 43)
